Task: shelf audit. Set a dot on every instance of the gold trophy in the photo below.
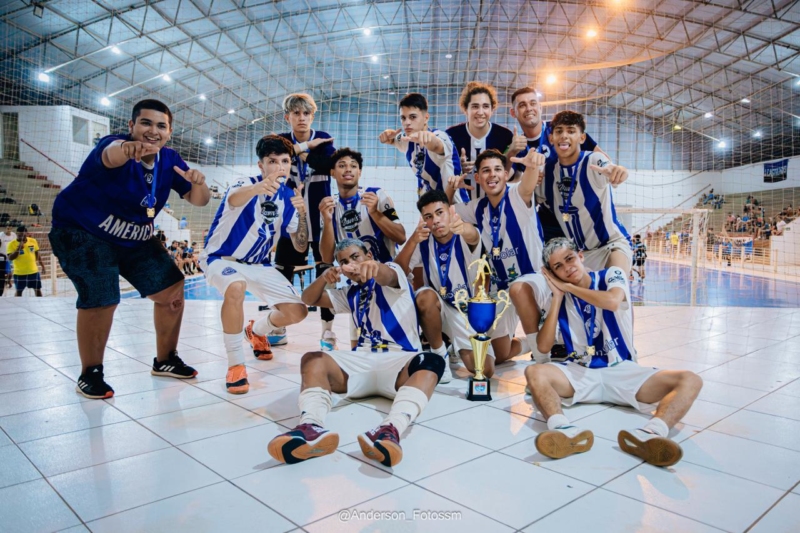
(482, 316)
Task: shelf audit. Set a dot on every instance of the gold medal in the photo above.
(151, 212)
(443, 292)
(590, 351)
(567, 217)
(496, 251)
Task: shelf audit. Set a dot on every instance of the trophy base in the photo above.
(479, 390)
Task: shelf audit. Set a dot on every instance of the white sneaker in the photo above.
(447, 376)
(277, 337)
(328, 341)
(451, 353)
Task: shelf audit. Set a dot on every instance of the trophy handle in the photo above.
(502, 296)
(462, 297)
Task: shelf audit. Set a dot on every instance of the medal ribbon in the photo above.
(444, 269)
(496, 220)
(151, 197)
(592, 325)
(360, 303)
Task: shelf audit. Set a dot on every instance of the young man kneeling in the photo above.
(595, 316)
(385, 362)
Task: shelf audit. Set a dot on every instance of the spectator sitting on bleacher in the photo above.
(718, 201)
(781, 224)
(709, 198)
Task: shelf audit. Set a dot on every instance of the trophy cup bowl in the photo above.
(482, 317)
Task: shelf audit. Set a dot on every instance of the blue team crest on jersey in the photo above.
(148, 176)
(227, 271)
(269, 210)
(512, 273)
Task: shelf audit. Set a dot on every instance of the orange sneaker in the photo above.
(259, 343)
(236, 380)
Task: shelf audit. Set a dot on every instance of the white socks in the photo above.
(657, 426)
(315, 404)
(407, 406)
(538, 356)
(263, 326)
(234, 348)
(441, 350)
(327, 325)
(557, 421)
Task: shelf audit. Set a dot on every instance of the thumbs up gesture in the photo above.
(466, 166)
(456, 224)
(518, 143)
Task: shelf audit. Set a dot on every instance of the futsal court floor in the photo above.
(170, 455)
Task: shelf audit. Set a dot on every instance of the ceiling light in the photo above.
(367, 31)
(231, 111)
(721, 144)
(105, 101)
(391, 92)
(708, 115)
(538, 94)
(745, 100)
(591, 33)
(44, 77)
(374, 59)
(209, 141)
(797, 82)
(38, 10)
(116, 50)
(202, 97)
(757, 134)
(386, 77)
(166, 77)
(676, 127)
(449, 56)
(551, 79)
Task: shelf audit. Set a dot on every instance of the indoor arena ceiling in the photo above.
(230, 62)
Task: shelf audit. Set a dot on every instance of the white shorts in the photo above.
(453, 324)
(616, 384)
(371, 373)
(596, 259)
(263, 281)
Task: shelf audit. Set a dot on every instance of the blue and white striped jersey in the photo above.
(520, 234)
(431, 169)
(613, 330)
(452, 258)
(586, 196)
(248, 233)
(387, 316)
(497, 137)
(351, 220)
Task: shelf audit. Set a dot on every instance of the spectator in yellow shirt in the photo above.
(24, 254)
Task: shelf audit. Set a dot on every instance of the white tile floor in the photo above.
(167, 455)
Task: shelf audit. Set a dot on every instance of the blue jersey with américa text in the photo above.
(111, 203)
(248, 233)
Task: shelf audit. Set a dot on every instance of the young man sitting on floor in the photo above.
(595, 317)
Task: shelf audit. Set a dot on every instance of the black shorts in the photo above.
(286, 255)
(639, 262)
(94, 266)
(28, 281)
(550, 226)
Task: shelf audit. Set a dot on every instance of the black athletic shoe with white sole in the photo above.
(173, 367)
(91, 384)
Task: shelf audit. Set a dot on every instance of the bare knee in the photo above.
(520, 292)
(293, 312)
(312, 360)
(235, 293)
(427, 302)
(691, 381)
(537, 374)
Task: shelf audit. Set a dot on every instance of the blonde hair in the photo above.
(300, 101)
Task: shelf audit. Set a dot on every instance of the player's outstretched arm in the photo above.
(315, 295)
(530, 178)
(267, 187)
(394, 231)
(327, 240)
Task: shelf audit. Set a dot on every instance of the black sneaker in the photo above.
(91, 384)
(173, 367)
